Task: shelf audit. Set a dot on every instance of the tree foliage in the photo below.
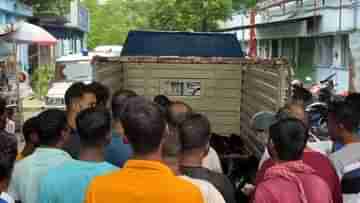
(189, 15)
(57, 7)
(41, 79)
(111, 22)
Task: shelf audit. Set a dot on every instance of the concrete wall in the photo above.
(329, 23)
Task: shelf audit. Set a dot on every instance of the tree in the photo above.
(189, 15)
(111, 22)
(239, 5)
(41, 79)
(57, 7)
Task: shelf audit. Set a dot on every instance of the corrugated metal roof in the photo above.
(145, 43)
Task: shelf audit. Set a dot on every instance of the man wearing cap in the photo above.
(261, 123)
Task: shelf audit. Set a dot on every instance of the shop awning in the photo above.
(64, 32)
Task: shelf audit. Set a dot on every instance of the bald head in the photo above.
(177, 112)
(294, 110)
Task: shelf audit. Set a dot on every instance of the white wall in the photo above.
(329, 23)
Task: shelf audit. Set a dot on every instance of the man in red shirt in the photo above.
(290, 179)
(319, 162)
(322, 166)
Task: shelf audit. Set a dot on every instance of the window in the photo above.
(345, 51)
(288, 50)
(324, 51)
(275, 48)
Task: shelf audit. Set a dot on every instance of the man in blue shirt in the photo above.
(53, 135)
(68, 182)
(118, 152)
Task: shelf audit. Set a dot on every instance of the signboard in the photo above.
(173, 87)
(79, 16)
(83, 15)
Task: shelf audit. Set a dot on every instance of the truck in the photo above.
(212, 75)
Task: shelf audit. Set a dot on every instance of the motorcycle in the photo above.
(323, 94)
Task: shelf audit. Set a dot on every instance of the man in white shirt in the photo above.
(209, 192)
(212, 161)
(170, 155)
(177, 111)
(343, 126)
(343, 123)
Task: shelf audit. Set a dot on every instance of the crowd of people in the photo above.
(127, 148)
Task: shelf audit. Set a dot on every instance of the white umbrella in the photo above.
(27, 33)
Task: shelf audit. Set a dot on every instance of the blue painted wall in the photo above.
(10, 12)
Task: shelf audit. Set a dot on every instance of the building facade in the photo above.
(73, 35)
(10, 12)
(317, 36)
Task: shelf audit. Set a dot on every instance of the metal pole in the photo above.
(19, 101)
(340, 16)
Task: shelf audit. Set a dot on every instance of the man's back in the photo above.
(323, 168)
(68, 182)
(279, 190)
(27, 173)
(209, 192)
(142, 182)
(220, 181)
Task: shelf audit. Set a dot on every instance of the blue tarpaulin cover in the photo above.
(145, 43)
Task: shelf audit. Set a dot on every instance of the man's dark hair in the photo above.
(345, 113)
(8, 152)
(93, 125)
(118, 101)
(301, 94)
(144, 125)
(163, 101)
(194, 132)
(52, 124)
(30, 126)
(289, 138)
(74, 92)
(175, 118)
(354, 100)
(3, 104)
(102, 93)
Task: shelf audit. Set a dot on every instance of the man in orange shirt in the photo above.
(145, 178)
